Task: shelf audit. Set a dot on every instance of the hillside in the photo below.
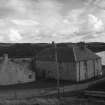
(31, 49)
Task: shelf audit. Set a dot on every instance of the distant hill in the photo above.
(96, 46)
(21, 50)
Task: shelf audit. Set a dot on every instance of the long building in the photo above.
(76, 63)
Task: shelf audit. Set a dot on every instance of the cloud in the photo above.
(95, 23)
(44, 21)
(14, 35)
(30, 17)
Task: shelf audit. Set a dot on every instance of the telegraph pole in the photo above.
(57, 69)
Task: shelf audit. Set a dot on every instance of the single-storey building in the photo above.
(76, 63)
(14, 71)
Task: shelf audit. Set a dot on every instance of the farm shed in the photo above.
(76, 63)
(14, 71)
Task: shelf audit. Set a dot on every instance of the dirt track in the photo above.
(48, 89)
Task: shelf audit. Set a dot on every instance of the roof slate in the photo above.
(66, 54)
(84, 54)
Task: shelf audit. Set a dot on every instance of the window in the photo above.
(30, 76)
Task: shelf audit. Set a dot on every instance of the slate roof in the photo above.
(84, 54)
(66, 54)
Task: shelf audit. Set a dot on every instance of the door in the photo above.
(85, 70)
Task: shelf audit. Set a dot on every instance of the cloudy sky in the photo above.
(52, 20)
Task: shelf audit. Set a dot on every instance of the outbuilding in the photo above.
(14, 71)
(76, 63)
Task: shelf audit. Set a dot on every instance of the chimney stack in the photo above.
(81, 45)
